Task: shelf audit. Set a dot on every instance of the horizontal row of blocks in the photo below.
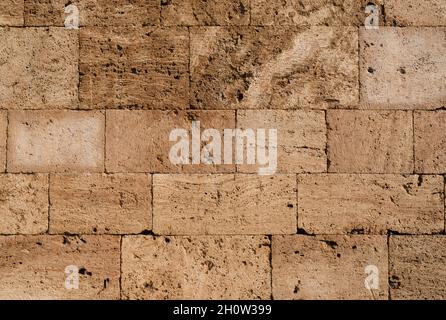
(216, 12)
(221, 68)
(193, 204)
(309, 141)
(223, 267)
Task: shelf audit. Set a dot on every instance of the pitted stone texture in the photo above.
(328, 267)
(100, 203)
(274, 68)
(3, 138)
(134, 68)
(93, 12)
(371, 204)
(363, 141)
(204, 13)
(430, 141)
(224, 204)
(23, 204)
(417, 267)
(40, 68)
(416, 13)
(403, 68)
(33, 267)
(311, 12)
(56, 141)
(207, 267)
(301, 139)
(11, 13)
(138, 140)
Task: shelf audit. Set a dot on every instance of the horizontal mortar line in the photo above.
(221, 234)
(221, 173)
(235, 109)
(221, 26)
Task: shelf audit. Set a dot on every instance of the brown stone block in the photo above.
(274, 68)
(198, 12)
(207, 267)
(39, 68)
(417, 267)
(33, 267)
(362, 141)
(134, 68)
(224, 204)
(56, 141)
(93, 12)
(23, 204)
(371, 204)
(329, 267)
(139, 140)
(100, 203)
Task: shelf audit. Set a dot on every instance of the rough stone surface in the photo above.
(311, 12)
(99, 203)
(93, 12)
(328, 267)
(56, 141)
(301, 138)
(134, 68)
(362, 141)
(430, 141)
(23, 204)
(403, 68)
(273, 68)
(3, 138)
(224, 204)
(416, 13)
(41, 65)
(371, 204)
(198, 12)
(138, 140)
(11, 13)
(33, 267)
(208, 267)
(417, 267)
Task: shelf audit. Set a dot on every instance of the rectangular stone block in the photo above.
(209, 267)
(3, 139)
(224, 204)
(329, 267)
(11, 13)
(371, 204)
(40, 68)
(417, 267)
(35, 267)
(139, 140)
(274, 68)
(56, 141)
(430, 141)
(403, 68)
(301, 139)
(205, 13)
(93, 12)
(416, 13)
(312, 12)
(134, 68)
(23, 204)
(362, 141)
(100, 203)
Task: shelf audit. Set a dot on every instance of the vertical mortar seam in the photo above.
(271, 265)
(49, 202)
(413, 140)
(7, 142)
(388, 268)
(120, 267)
